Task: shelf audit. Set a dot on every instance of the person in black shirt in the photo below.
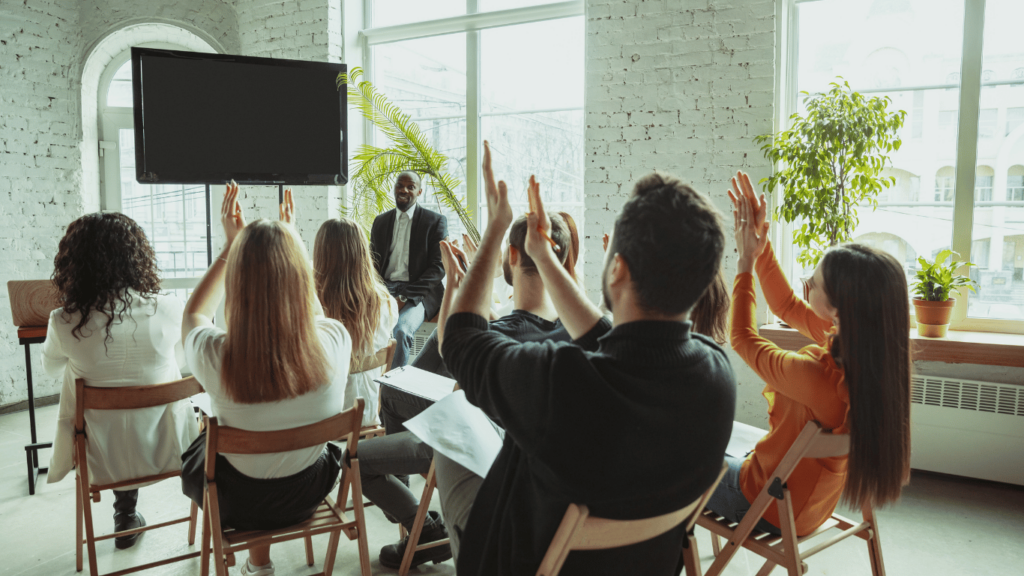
(631, 419)
(386, 462)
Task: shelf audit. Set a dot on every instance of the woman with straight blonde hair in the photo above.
(352, 292)
(280, 364)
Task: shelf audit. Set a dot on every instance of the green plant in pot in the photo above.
(935, 282)
(830, 163)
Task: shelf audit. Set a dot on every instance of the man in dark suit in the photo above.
(406, 246)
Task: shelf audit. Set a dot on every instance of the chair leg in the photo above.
(357, 506)
(78, 524)
(309, 550)
(417, 525)
(767, 568)
(332, 551)
(874, 544)
(193, 516)
(691, 557)
(790, 545)
(204, 555)
(90, 537)
(716, 544)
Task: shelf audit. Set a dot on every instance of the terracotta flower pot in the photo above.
(933, 317)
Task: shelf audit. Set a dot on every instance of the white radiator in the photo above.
(419, 339)
(968, 428)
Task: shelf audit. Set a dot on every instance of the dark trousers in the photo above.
(383, 462)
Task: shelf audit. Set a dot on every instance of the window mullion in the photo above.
(967, 138)
(473, 146)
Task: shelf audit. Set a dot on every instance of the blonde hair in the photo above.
(272, 351)
(349, 286)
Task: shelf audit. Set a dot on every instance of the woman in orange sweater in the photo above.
(855, 379)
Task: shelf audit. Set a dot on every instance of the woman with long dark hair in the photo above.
(279, 364)
(115, 328)
(854, 380)
(352, 292)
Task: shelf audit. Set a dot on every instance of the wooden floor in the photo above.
(943, 526)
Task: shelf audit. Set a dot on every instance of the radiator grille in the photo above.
(968, 395)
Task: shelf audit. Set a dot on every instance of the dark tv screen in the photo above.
(209, 118)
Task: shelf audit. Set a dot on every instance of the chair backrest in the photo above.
(227, 440)
(380, 359)
(813, 442)
(580, 531)
(32, 301)
(130, 397)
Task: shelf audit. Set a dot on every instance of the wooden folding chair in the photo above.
(381, 359)
(414, 546)
(122, 398)
(784, 550)
(329, 516)
(581, 531)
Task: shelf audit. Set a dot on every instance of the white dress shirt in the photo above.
(398, 265)
(122, 444)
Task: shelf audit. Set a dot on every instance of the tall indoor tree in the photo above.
(375, 167)
(829, 162)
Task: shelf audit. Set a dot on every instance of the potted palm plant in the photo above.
(935, 282)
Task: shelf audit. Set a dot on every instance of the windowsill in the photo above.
(958, 347)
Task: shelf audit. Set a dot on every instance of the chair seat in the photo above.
(327, 517)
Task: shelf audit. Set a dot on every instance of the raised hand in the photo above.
(751, 237)
(744, 189)
(538, 225)
(453, 270)
(499, 211)
(231, 216)
(288, 208)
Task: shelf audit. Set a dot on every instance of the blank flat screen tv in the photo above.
(209, 118)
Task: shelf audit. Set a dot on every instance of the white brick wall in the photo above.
(680, 86)
(39, 163)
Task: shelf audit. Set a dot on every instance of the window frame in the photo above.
(472, 23)
(969, 111)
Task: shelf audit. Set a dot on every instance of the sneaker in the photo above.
(433, 530)
(127, 522)
(249, 570)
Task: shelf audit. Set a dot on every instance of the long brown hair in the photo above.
(272, 351)
(710, 315)
(347, 283)
(100, 258)
(574, 248)
(868, 289)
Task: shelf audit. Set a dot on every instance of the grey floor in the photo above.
(942, 526)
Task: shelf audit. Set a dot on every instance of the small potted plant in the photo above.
(935, 281)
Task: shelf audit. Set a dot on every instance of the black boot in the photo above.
(126, 517)
(433, 530)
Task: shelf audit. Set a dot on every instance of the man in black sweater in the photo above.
(631, 418)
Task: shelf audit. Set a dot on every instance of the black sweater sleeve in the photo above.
(510, 381)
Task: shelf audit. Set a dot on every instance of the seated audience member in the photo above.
(406, 252)
(115, 329)
(386, 462)
(660, 398)
(855, 379)
(280, 364)
(351, 291)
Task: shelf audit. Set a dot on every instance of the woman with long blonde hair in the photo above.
(280, 364)
(352, 292)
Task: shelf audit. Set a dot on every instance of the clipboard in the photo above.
(417, 382)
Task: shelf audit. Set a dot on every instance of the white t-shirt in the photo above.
(203, 352)
(361, 384)
(122, 444)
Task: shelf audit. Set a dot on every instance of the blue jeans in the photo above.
(409, 321)
(728, 499)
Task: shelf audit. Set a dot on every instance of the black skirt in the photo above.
(248, 503)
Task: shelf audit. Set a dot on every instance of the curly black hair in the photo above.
(100, 258)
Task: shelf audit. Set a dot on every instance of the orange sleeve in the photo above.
(783, 302)
(796, 375)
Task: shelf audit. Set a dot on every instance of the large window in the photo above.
(510, 72)
(960, 181)
(173, 216)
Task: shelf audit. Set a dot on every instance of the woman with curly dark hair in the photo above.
(115, 329)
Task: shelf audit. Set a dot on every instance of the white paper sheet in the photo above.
(460, 431)
(417, 382)
(744, 438)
